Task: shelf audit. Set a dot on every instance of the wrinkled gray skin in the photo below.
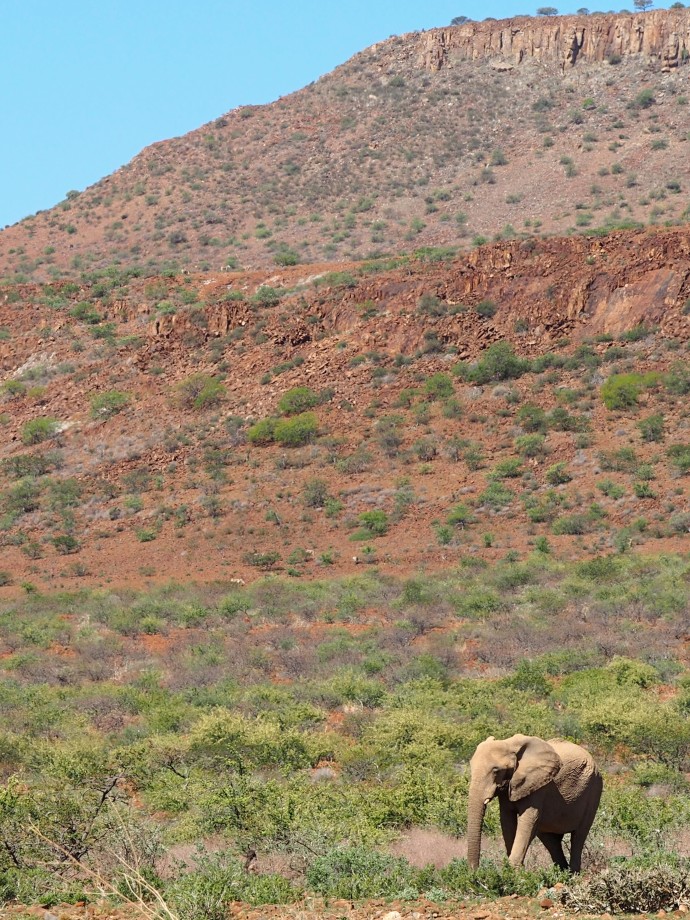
(545, 789)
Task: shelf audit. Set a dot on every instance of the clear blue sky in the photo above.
(87, 83)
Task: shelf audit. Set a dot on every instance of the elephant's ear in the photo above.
(537, 764)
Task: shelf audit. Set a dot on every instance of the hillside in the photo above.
(305, 490)
(507, 128)
(429, 384)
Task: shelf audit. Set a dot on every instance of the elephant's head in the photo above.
(520, 765)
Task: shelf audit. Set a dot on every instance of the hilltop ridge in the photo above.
(440, 138)
(660, 35)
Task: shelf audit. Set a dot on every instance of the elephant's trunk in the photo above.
(475, 819)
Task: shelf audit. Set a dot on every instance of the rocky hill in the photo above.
(488, 130)
(405, 412)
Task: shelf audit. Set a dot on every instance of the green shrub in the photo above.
(532, 418)
(677, 380)
(286, 257)
(498, 362)
(355, 873)
(66, 544)
(571, 525)
(530, 445)
(315, 493)
(296, 400)
(39, 429)
(105, 405)
(430, 305)
(496, 495)
(510, 468)
(557, 474)
(652, 427)
(262, 432)
(611, 489)
(199, 391)
(13, 388)
(461, 516)
(267, 296)
(296, 431)
(643, 490)
(679, 455)
(205, 893)
(372, 524)
(85, 313)
(486, 308)
(621, 391)
(22, 497)
(439, 386)
(260, 560)
(457, 878)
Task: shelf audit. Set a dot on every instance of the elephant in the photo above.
(545, 789)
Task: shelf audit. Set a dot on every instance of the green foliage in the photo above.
(267, 296)
(571, 525)
(679, 455)
(199, 391)
(430, 305)
(532, 418)
(234, 726)
(498, 362)
(263, 432)
(510, 468)
(496, 495)
(315, 493)
(439, 386)
(644, 99)
(530, 445)
(39, 429)
(297, 431)
(677, 380)
(355, 873)
(486, 308)
(622, 391)
(105, 405)
(206, 892)
(372, 524)
(557, 474)
(296, 400)
(259, 560)
(461, 516)
(85, 313)
(652, 427)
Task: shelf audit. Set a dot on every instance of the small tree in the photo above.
(643, 5)
(547, 11)
(460, 20)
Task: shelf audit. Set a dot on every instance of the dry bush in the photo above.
(630, 890)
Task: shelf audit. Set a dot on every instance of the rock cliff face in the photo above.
(663, 35)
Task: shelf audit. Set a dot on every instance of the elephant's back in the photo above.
(578, 770)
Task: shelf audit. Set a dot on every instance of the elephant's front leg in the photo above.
(509, 823)
(526, 830)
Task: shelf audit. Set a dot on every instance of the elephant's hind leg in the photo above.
(554, 844)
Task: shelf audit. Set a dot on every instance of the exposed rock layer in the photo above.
(663, 35)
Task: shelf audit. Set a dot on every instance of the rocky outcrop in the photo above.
(663, 35)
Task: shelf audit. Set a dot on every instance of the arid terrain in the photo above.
(335, 436)
(498, 129)
(162, 482)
